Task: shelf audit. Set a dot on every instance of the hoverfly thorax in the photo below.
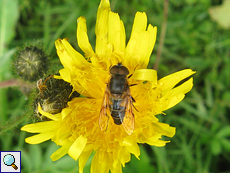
(118, 83)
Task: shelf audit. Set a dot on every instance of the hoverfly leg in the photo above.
(134, 101)
(132, 85)
(129, 76)
(135, 108)
(132, 74)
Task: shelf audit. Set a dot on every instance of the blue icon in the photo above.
(9, 160)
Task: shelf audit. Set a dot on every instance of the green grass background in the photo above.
(193, 40)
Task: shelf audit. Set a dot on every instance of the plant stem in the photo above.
(162, 36)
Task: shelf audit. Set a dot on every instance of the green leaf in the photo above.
(5, 59)
(226, 96)
(224, 132)
(226, 144)
(25, 158)
(8, 17)
(35, 156)
(216, 147)
(197, 63)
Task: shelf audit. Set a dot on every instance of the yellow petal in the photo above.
(101, 29)
(168, 103)
(60, 152)
(158, 143)
(64, 57)
(95, 165)
(55, 117)
(177, 94)
(145, 75)
(141, 43)
(168, 82)
(140, 23)
(152, 137)
(131, 146)
(152, 32)
(37, 139)
(116, 169)
(151, 140)
(183, 88)
(61, 138)
(83, 159)
(140, 49)
(164, 129)
(68, 56)
(127, 142)
(125, 156)
(39, 127)
(82, 37)
(57, 77)
(65, 112)
(104, 4)
(116, 32)
(139, 40)
(65, 74)
(77, 147)
(100, 165)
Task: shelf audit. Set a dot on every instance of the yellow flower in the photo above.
(76, 129)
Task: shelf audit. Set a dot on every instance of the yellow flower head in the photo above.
(77, 129)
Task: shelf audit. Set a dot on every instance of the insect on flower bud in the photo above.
(53, 95)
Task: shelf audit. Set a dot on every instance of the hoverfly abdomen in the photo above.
(117, 111)
(118, 116)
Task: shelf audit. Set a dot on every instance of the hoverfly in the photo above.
(117, 100)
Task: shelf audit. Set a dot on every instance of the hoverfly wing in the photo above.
(128, 121)
(103, 117)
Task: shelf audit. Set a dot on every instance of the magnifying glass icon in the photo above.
(9, 160)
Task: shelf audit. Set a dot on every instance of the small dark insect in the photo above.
(53, 95)
(42, 85)
(118, 100)
(31, 63)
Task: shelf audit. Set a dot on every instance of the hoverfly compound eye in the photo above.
(123, 70)
(119, 69)
(114, 69)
